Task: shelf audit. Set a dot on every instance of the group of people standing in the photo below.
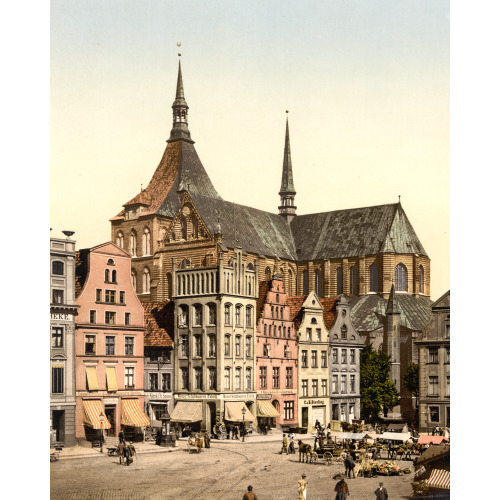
(288, 444)
(125, 452)
(227, 431)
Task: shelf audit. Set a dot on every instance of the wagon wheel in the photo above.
(328, 458)
(314, 457)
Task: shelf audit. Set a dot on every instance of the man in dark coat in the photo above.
(350, 466)
(342, 490)
(381, 492)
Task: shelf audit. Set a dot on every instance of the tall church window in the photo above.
(400, 278)
(420, 279)
(195, 228)
(119, 239)
(146, 281)
(353, 280)
(319, 283)
(134, 280)
(340, 281)
(291, 283)
(373, 278)
(146, 242)
(305, 282)
(133, 244)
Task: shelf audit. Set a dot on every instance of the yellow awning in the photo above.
(92, 408)
(92, 378)
(133, 415)
(111, 378)
(266, 409)
(234, 414)
(187, 411)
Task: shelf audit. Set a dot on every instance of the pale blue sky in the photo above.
(366, 83)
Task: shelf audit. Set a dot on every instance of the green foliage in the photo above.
(410, 380)
(377, 390)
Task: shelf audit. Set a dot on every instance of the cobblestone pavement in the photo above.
(220, 473)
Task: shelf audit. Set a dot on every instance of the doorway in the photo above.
(211, 416)
(305, 417)
(109, 411)
(58, 425)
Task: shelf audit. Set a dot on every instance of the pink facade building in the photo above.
(109, 346)
(276, 358)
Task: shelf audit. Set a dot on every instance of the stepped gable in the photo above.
(354, 232)
(263, 291)
(256, 231)
(368, 312)
(159, 323)
(328, 311)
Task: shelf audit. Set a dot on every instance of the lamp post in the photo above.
(101, 418)
(243, 411)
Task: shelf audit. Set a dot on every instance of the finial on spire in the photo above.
(399, 198)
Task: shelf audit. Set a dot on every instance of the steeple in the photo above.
(180, 108)
(287, 191)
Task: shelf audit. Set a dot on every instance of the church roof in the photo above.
(256, 231)
(354, 232)
(368, 312)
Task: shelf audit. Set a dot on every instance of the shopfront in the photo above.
(313, 410)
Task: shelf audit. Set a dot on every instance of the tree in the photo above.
(377, 390)
(410, 381)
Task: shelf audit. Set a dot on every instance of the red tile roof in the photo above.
(295, 305)
(263, 289)
(159, 323)
(328, 311)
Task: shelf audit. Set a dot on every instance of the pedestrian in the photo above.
(236, 433)
(121, 448)
(249, 495)
(342, 490)
(121, 437)
(381, 492)
(350, 466)
(126, 453)
(317, 425)
(291, 446)
(302, 488)
(206, 436)
(284, 448)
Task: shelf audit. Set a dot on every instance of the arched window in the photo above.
(373, 278)
(353, 280)
(133, 243)
(146, 242)
(268, 273)
(146, 281)
(305, 282)
(421, 279)
(184, 227)
(318, 282)
(113, 276)
(57, 267)
(400, 278)
(291, 283)
(195, 228)
(134, 280)
(119, 239)
(106, 275)
(340, 281)
(163, 233)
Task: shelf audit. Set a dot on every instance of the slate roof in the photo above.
(354, 232)
(256, 231)
(159, 323)
(368, 312)
(180, 168)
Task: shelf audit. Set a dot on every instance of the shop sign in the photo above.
(110, 401)
(278, 391)
(61, 316)
(263, 396)
(158, 395)
(314, 402)
(214, 396)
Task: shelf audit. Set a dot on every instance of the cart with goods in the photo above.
(195, 444)
(326, 453)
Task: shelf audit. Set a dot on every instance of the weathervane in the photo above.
(178, 45)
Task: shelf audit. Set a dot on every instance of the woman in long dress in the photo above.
(303, 488)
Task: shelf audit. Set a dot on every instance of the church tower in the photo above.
(180, 111)
(287, 192)
(393, 345)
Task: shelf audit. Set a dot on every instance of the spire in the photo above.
(392, 308)
(287, 191)
(180, 108)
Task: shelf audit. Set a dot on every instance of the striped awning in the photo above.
(92, 382)
(266, 409)
(439, 478)
(111, 378)
(92, 408)
(133, 415)
(187, 411)
(233, 412)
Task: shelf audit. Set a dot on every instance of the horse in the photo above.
(305, 449)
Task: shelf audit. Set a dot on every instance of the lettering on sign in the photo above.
(61, 316)
(278, 391)
(314, 402)
(263, 396)
(158, 395)
(111, 401)
(214, 396)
